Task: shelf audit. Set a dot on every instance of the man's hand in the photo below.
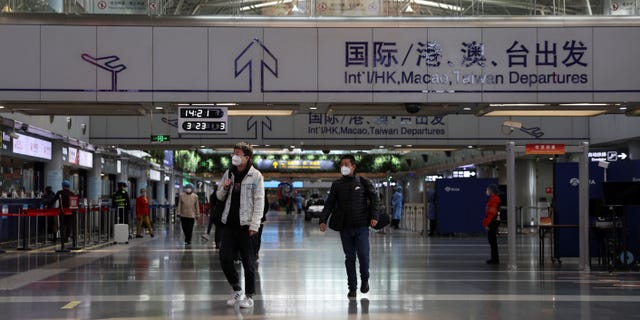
(323, 227)
(373, 223)
(252, 233)
(227, 183)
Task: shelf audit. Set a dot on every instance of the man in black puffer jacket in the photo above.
(352, 204)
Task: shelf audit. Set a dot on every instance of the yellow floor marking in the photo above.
(72, 304)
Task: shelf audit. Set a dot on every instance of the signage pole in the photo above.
(511, 205)
(584, 208)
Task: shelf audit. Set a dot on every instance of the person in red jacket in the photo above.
(491, 222)
(142, 213)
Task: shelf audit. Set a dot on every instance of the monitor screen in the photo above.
(621, 193)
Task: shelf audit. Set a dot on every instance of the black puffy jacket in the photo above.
(355, 199)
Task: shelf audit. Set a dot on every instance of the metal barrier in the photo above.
(413, 217)
(89, 226)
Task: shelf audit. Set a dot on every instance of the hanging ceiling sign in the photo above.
(345, 65)
(607, 155)
(544, 149)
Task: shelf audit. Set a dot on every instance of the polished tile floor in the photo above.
(302, 276)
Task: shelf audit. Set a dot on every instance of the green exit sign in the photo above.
(160, 138)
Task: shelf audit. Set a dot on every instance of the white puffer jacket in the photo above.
(251, 198)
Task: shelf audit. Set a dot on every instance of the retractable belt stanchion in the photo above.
(24, 227)
(63, 228)
(74, 206)
(74, 230)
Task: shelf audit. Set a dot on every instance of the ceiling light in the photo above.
(1, 107)
(584, 104)
(260, 112)
(158, 108)
(226, 104)
(542, 110)
(425, 149)
(313, 108)
(470, 147)
(507, 105)
(408, 9)
(264, 4)
(623, 108)
(467, 109)
(544, 113)
(439, 5)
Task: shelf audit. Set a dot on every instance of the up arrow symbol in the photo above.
(244, 61)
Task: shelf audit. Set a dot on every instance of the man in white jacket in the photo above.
(243, 194)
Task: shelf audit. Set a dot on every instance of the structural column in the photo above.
(94, 180)
(511, 205)
(584, 207)
(123, 174)
(53, 168)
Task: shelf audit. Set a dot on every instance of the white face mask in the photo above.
(236, 160)
(188, 190)
(345, 171)
(488, 193)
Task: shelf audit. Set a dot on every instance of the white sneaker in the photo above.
(236, 297)
(246, 303)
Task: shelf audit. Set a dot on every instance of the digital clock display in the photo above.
(202, 119)
(202, 113)
(204, 126)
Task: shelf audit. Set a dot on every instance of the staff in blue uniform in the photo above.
(396, 204)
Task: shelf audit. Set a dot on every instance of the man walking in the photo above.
(242, 190)
(354, 204)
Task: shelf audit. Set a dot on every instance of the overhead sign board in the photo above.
(364, 65)
(607, 155)
(542, 148)
(202, 119)
(286, 165)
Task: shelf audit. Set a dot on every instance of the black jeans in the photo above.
(237, 240)
(355, 242)
(187, 228)
(210, 224)
(218, 234)
(492, 236)
(257, 240)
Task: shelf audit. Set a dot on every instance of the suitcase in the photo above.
(120, 230)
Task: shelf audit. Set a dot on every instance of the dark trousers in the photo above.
(257, 240)
(210, 224)
(237, 241)
(218, 234)
(187, 228)
(355, 242)
(492, 236)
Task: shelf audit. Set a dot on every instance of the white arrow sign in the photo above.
(622, 155)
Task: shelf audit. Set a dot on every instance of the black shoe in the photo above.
(138, 236)
(364, 288)
(351, 294)
(152, 235)
(492, 261)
